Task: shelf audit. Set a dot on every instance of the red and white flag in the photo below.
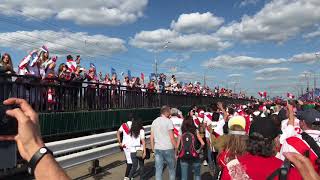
(290, 95)
(262, 94)
(72, 65)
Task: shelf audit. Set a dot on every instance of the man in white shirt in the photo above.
(310, 125)
(163, 143)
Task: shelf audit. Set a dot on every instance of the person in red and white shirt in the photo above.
(310, 125)
(177, 122)
(125, 143)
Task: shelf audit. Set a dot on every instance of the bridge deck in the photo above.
(113, 167)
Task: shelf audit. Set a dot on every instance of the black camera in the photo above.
(8, 124)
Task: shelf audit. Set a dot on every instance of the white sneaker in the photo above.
(126, 178)
(205, 163)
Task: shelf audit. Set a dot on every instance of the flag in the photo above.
(113, 71)
(129, 74)
(33, 57)
(142, 76)
(152, 76)
(290, 95)
(92, 66)
(72, 65)
(262, 94)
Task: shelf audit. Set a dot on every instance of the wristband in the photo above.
(32, 164)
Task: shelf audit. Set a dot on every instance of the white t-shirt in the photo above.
(125, 136)
(218, 129)
(289, 130)
(160, 128)
(177, 123)
(208, 121)
(135, 143)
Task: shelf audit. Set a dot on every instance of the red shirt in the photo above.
(258, 167)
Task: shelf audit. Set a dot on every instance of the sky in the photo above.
(247, 45)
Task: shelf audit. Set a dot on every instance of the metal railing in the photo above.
(72, 152)
(61, 95)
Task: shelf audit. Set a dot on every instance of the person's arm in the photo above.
(143, 142)
(225, 114)
(119, 138)
(291, 115)
(29, 140)
(200, 139)
(303, 165)
(152, 140)
(171, 135)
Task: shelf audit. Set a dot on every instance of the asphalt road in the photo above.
(113, 167)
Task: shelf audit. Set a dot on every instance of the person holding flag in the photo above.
(72, 65)
(31, 63)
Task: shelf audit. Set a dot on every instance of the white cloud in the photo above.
(97, 12)
(235, 75)
(273, 70)
(155, 41)
(312, 34)
(277, 21)
(248, 2)
(196, 23)
(226, 61)
(61, 43)
(170, 60)
(307, 58)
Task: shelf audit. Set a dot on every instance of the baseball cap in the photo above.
(237, 120)
(309, 116)
(264, 126)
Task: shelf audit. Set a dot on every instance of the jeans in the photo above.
(210, 157)
(196, 169)
(169, 157)
(135, 162)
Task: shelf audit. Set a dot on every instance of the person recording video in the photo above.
(30, 145)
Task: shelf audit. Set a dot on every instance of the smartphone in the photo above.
(8, 125)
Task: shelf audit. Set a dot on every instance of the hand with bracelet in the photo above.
(30, 144)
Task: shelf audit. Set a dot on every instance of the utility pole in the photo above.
(307, 78)
(314, 81)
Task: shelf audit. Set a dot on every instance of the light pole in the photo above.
(155, 58)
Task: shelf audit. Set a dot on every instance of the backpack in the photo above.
(188, 150)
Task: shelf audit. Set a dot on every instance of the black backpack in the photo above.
(188, 147)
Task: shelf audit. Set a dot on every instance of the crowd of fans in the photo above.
(262, 140)
(40, 65)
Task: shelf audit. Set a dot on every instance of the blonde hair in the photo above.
(235, 145)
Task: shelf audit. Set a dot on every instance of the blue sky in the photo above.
(253, 45)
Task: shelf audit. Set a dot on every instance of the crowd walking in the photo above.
(251, 141)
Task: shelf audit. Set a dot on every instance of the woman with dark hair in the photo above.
(137, 144)
(260, 161)
(186, 128)
(6, 68)
(6, 64)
